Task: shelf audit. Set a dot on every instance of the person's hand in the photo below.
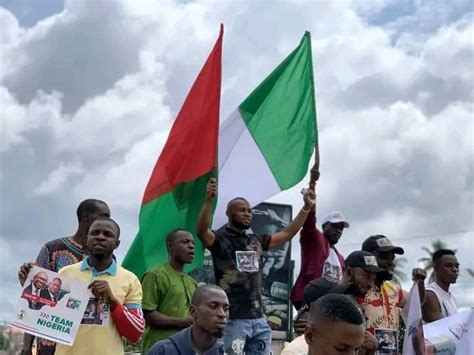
(299, 325)
(300, 322)
(101, 290)
(314, 176)
(24, 271)
(418, 275)
(211, 189)
(369, 344)
(309, 198)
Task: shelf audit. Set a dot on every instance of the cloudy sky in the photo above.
(89, 90)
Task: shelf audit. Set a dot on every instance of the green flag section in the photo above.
(177, 186)
(265, 146)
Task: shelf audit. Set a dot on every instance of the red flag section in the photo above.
(194, 132)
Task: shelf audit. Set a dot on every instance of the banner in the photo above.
(451, 336)
(268, 218)
(413, 343)
(51, 306)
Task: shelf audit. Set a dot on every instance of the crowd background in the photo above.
(413, 179)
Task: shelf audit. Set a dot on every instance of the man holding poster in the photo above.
(116, 292)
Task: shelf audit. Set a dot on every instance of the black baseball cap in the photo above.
(382, 244)
(364, 260)
(322, 286)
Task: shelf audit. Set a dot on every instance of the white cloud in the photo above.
(108, 78)
(17, 120)
(57, 178)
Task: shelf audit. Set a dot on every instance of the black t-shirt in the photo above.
(237, 257)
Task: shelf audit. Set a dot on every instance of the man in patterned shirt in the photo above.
(61, 252)
(382, 303)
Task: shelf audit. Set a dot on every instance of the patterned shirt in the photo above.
(58, 253)
(53, 256)
(237, 257)
(381, 306)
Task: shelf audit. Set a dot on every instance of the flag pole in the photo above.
(314, 172)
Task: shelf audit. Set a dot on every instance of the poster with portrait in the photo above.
(268, 218)
(387, 341)
(51, 306)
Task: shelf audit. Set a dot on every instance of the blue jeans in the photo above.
(248, 336)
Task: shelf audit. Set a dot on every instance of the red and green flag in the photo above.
(177, 186)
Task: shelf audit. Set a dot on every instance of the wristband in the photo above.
(306, 211)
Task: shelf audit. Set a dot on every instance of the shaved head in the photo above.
(232, 202)
(239, 213)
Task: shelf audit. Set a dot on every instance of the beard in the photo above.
(354, 289)
(384, 276)
(240, 226)
(218, 333)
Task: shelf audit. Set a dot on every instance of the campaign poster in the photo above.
(387, 341)
(51, 306)
(268, 218)
(451, 335)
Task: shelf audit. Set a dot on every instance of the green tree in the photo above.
(428, 260)
(4, 341)
(399, 276)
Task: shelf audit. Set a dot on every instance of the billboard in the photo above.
(268, 218)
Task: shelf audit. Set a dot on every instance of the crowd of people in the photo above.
(345, 305)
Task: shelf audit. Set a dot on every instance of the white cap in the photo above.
(336, 217)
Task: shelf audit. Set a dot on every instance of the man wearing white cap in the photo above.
(319, 257)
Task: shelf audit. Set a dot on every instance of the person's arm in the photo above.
(159, 320)
(129, 321)
(128, 317)
(28, 340)
(154, 318)
(431, 309)
(418, 276)
(289, 232)
(203, 224)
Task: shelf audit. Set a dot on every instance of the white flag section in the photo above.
(413, 344)
(451, 336)
(51, 306)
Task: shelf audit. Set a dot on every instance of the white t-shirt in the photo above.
(446, 300)
(332, 269)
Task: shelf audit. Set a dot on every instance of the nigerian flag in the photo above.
(266, 144)
(177, 186)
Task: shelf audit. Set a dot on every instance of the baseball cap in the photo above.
(336, 217)
(322, 286)
(364, 260)
(382, 244)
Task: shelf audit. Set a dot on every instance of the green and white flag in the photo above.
(266, 144)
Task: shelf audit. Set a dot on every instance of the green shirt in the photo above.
(169, 292)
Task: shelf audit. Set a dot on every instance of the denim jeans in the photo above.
(248, 336)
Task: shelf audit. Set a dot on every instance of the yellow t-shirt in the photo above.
(102, 339)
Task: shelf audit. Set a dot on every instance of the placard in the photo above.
(51, 306)
(451, 335)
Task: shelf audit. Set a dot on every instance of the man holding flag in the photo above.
(236, 254)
